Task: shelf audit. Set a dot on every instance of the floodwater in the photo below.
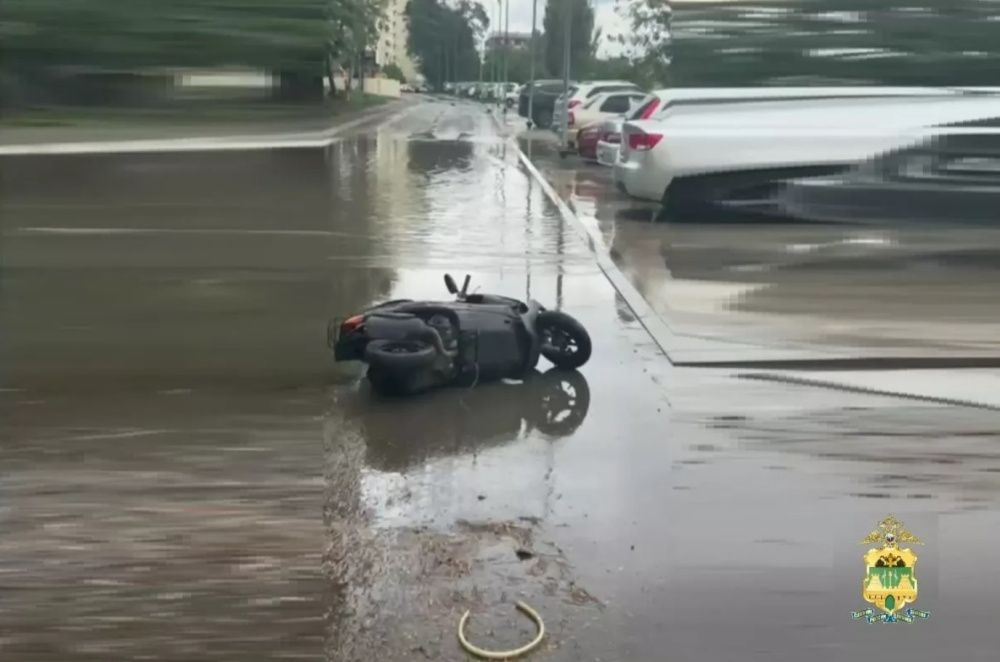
(185, 474)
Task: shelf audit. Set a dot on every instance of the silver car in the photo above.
(609, 141)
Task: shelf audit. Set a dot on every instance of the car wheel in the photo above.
(543, 119)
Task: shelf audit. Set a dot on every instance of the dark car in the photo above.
(543, 106)
(953, 178)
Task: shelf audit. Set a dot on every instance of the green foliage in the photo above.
(759, 42)
(622, 68)
(648, 41)
(582, 43)
(352, 26)
(518, 63)
(394, 72)
(442, 39)
(120, 36)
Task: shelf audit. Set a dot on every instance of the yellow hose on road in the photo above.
(503, 655)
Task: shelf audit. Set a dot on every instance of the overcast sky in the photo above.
(520, 18)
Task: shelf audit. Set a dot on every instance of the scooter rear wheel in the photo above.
(564, 340)
(400, 355)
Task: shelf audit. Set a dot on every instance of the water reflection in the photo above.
(404, 434)
(434, 157)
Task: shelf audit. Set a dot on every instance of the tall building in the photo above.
(513, 39)
(393, 34)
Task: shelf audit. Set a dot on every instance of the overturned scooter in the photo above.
(412, 346)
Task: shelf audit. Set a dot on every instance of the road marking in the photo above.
(220, 232)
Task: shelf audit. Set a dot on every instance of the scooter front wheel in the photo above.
(564, 340)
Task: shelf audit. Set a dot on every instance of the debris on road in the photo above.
(503, 655)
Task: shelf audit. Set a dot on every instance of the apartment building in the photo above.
(515, 40)
(393, 33)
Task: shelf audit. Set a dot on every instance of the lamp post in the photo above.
(502, 97)
(567, 36)
(531, 66)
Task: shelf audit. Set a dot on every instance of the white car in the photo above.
(603, 106)
(512, 94)
(661, 103)
(748, 144)
(580, 93)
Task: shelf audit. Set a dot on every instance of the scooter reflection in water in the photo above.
(404, 434)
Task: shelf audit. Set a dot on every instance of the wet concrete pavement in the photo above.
(185, 473)
(795, 290)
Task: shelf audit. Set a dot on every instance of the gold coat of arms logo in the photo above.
(890, 582)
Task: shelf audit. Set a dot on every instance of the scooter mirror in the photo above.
(465, 285)
(449, 282)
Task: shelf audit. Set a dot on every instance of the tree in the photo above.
(442, 39)
(353, 27)
(45, 39)
(648, 42)
(760, 42)
(582, 43)
(518, 63)
(394, 72)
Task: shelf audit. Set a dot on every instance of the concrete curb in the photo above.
(846, 388)
(312, 139)
(650, 320)
(657, 328)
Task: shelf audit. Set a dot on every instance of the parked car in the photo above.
(661, 103)
(604, 106)
(743, 149)
(586, 141)
(581, 93)
(512, 94)
(951, 179)
(546, 92)
(610, 132)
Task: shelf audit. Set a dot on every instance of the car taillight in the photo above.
(642, 142)
(574, 103)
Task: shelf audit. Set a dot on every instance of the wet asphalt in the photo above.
(185, 474)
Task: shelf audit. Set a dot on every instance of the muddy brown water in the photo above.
(184, 474)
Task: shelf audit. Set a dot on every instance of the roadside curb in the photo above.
(650, 320)
(661, 333)
(847, 388)
(308, 139)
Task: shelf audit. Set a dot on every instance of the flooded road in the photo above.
(185, 474)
